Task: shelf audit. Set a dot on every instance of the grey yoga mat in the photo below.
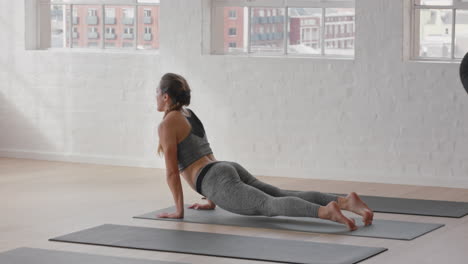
(379, 229)
(415, 206)
(26, 255)
(220, 245)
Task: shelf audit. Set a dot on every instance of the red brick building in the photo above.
(120, 25)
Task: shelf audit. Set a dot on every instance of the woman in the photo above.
(227, 184)
(464, 72)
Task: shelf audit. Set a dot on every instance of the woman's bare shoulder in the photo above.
(173, 119)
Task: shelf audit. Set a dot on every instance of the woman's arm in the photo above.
(168, 141)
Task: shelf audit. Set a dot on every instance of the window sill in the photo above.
(435, 61)
(98, 50)
(290, 56)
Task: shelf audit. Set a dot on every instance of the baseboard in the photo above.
(93, 159)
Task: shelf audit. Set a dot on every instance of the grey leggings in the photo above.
(234, 189)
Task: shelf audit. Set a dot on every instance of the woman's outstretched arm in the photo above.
(168, 141)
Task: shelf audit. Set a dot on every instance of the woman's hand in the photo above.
(171, 215)
(198, 206)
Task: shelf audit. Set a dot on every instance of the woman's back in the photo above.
(195, 145)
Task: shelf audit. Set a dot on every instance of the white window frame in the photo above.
(412, 51)
(38, 24)
(91, 11)
(214, 43)
(110, 12)
(127, 13)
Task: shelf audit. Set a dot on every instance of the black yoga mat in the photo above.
(388, 229)
(26, 255)
(415, 206)
(220, 245)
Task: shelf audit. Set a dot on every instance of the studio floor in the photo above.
(40, 200)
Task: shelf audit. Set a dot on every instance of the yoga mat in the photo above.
(26, 255)
(219, 245)
(415, 206)
(379, 229)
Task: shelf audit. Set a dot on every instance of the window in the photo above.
(110, 30)
(128, 13)
(232, 14)
(439, 30)
(232, 44)
(92, 12)
(232, 32)
(110, 12)
(282, 27)
(102, 25)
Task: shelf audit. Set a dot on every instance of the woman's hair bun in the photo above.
(184, 97)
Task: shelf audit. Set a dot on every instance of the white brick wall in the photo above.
(377, 118)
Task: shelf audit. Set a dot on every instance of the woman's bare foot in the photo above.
(332, 212)
(354, 204)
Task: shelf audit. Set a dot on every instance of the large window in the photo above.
(99, 24)
(283, 27)
(439, 29)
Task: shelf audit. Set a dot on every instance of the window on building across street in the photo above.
(232, 14)
(100, 24)
(283, 27)
(439, 29)
(232, 32)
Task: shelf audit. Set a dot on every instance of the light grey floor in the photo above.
(40, 200)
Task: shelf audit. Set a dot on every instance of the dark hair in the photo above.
(178, 90)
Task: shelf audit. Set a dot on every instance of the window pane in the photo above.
(304, 31)
(60, 25)
(461, 33)
(119, 27)
(267, 30)
(339, 31)
(435, 33)
(148, 27)
(434, 2)
(87, 26)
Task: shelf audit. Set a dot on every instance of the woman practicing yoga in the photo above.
(464, 72)
(227, 184)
